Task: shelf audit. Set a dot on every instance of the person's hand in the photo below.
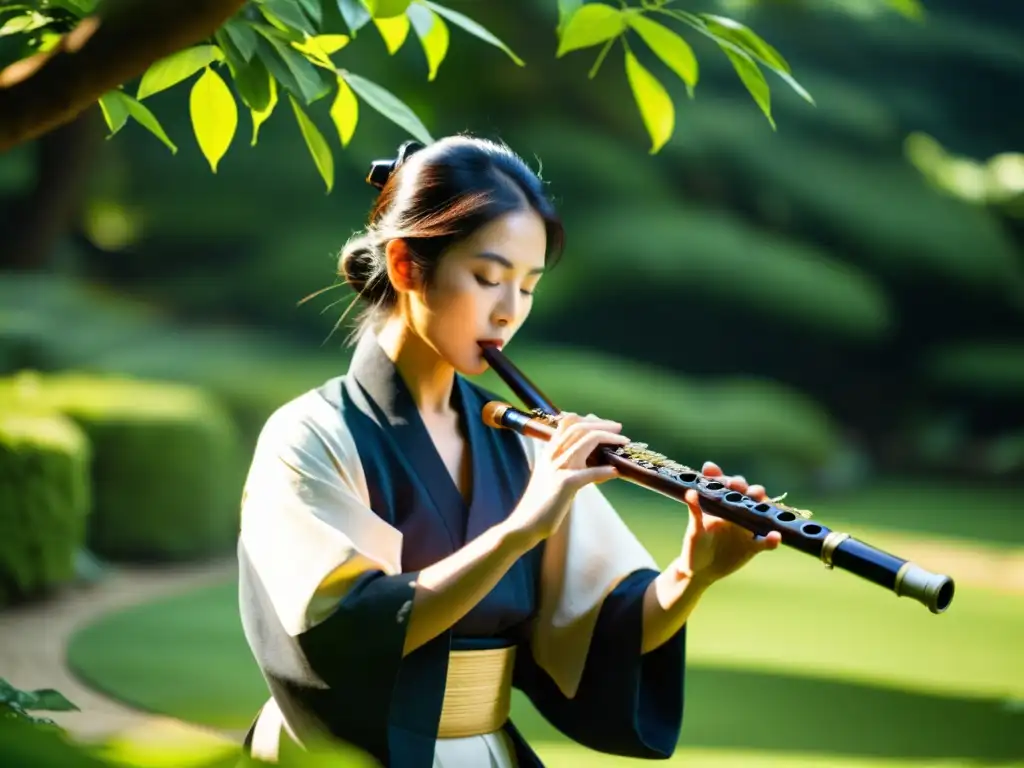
(713, 548)
(561, 470)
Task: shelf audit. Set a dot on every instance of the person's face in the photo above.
(482, 289)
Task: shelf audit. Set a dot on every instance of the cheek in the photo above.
(454, 301)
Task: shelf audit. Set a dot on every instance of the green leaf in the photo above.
(330, 43)
(752, 78)
(345, 112)
(591, 25)
(316, 143)
(173, 69)
(290, 68)
(313, 9)
(26, 23)
(79, 7)
(394, 31)
(140, 112)
(51, 700)
(355, 14)
(243, 36)
(114, 110)
(214, 116)
(252, 79)
(566, 8)
(669, 47)
(472, 27)
(319, 48)
(288, 13)
(727, 42)
(746, 39)
(433, 35)
(388, 105)
(656, 107)
(8, 692)
(386, 9)
(259, 116)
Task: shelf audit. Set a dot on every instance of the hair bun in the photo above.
(381, 170)
(358, 262)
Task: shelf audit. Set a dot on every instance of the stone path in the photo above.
(34, 638)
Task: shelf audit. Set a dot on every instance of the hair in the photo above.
(432, 197)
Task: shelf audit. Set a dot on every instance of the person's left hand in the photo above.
(713, 548)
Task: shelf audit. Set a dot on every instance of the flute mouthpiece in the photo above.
(492, 413)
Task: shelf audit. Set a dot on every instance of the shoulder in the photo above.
(311, 421)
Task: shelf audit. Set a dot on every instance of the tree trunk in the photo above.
(38, 221)
(104, 51)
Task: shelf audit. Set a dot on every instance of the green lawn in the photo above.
(789, 664)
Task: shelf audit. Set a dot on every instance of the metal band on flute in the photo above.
(641, 466)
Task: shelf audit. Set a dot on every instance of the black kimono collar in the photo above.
(381, 380)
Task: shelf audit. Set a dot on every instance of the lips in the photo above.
(491, 343)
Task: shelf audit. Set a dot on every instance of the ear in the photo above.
(402, 270)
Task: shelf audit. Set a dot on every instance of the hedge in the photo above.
(165, 464)
(44, 501)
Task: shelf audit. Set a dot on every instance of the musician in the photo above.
(404, 566)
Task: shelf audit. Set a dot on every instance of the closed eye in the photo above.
(489, 284)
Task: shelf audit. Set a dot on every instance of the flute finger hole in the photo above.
(762, 508)
(715, 486)
(734, 497)
(785, 517)
(811, 529)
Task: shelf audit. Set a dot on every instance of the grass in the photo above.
(789, 664)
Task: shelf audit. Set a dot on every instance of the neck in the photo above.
(429, 377)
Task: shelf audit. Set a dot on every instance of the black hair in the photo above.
(432, 197)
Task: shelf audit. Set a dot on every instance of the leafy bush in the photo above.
(51, 322)
(674, 249)
(164, 462)
(15, 703)
(878, 208)
(251, 373)
(44, 501)
(985, 367)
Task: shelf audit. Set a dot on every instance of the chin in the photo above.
(475, 366)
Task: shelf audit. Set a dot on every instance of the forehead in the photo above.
(518, 236)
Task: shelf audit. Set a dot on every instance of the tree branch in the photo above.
(113, 46)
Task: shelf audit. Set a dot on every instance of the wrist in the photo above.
(514, 538)
(683, 575)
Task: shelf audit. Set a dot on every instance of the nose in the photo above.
(504, 310)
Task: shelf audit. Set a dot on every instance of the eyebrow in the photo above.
(498, 258)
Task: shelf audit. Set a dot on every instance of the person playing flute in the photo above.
(403, 567)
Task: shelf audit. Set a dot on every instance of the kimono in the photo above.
(347, 499)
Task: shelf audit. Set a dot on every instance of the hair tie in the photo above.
(381, 170)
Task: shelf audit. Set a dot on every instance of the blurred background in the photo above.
(834, 309)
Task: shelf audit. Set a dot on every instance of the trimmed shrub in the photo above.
(165, 462)
(44, 501)
(251, 373)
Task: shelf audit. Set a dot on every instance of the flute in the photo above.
(656, 472)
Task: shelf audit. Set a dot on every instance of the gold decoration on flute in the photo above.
(641, 454)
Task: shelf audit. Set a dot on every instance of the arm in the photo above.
(668, 602)
(447, 590)
(712, 549)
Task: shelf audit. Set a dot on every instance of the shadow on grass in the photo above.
(741, 709)
(186, 657)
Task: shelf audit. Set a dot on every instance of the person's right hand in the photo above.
(561, 470)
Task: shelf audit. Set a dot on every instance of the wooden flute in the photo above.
(654, 471)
